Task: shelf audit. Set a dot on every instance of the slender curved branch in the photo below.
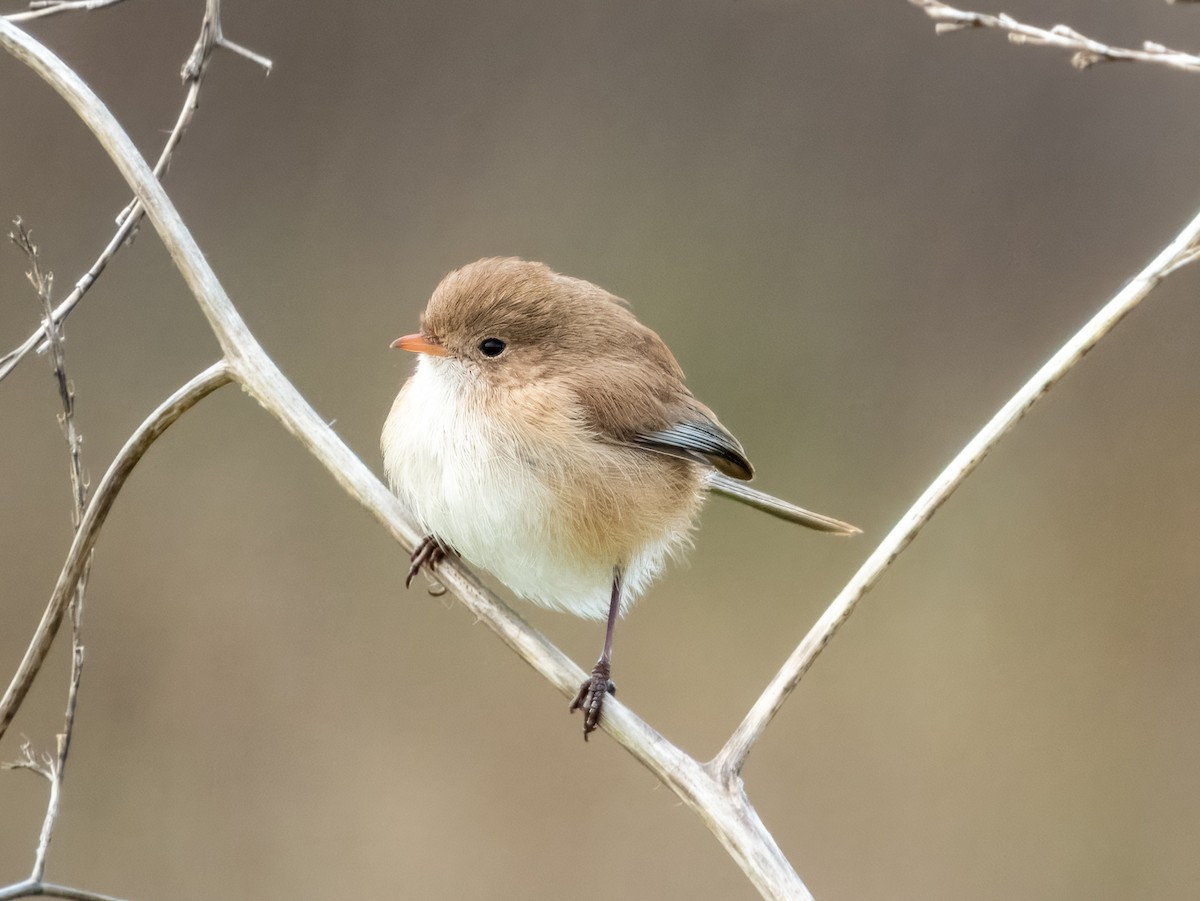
(1182, 249)
(93, 518)
(192, 73)
(723, 807)
(1087, 51)
(31, 888)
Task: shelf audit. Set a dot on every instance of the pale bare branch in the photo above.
(1182, 247)
(211, 37)
(38, 764)
(41, 9)
(42, 282)
(32, 888)
(1086, 52)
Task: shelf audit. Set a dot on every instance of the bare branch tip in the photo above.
(257, 58)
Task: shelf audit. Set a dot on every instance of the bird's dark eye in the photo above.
(492, 347)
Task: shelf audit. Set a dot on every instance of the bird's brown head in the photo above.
(513, 320)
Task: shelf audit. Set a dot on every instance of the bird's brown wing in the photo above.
(640, 400)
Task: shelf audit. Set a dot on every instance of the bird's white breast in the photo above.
(481, 481)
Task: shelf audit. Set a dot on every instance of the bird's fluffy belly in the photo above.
(550, 530)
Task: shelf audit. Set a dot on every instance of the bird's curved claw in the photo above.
(590, 699)
(428, 554)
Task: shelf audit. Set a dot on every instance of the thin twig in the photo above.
(219, 40)
(42, 282)
(1183, 246)
(93, 518)
(49, 768)
(41, 9)
(63, 739)
(39, 765)
(192, 73)
(1087, 51)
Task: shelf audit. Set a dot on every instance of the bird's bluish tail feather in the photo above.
(740, 491)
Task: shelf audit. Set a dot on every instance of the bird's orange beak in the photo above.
(419, 344)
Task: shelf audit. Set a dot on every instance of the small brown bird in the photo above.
(548, 436)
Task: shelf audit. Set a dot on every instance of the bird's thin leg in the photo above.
(592, 692)
(429, 553)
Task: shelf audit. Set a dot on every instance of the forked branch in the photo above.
(35, 888)
(193, 71)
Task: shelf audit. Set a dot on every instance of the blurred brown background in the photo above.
(858, 238)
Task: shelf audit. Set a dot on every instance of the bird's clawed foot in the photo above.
(591, 696)
(429, 553)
